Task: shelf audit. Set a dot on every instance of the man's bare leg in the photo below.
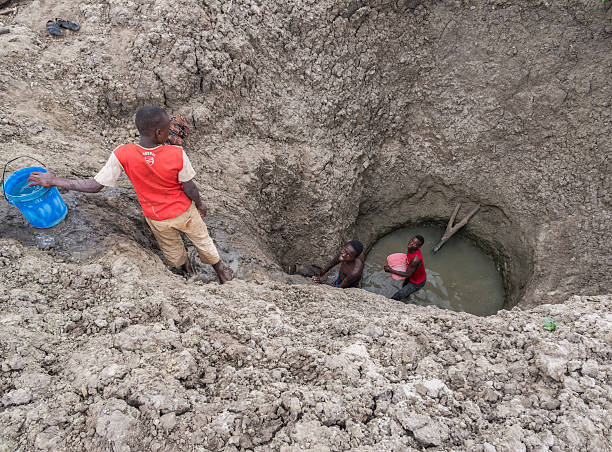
(224, 273)
(187, 267)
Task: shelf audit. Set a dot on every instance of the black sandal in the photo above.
(53, 28)
(68, 25)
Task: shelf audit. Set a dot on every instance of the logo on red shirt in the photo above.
(149, 157)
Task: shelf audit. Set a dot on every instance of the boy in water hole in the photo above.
(351, 260)
(415, 269)
(162, 177)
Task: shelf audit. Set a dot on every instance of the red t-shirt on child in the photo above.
(156, 174)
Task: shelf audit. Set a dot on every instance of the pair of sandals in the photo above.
(53, 26)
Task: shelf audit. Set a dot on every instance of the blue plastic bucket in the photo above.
(43, 207)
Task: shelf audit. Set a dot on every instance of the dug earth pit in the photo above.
(312, 124)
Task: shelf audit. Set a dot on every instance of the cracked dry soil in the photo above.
(314, 122)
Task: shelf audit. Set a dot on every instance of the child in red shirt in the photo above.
(162, 177)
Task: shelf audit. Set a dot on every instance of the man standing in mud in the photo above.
(415, 269)
(162, 177)
(351, 260)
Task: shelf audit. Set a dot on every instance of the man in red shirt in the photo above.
(415, 269)
(162, 177)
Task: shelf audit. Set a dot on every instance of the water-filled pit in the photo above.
(460, 277)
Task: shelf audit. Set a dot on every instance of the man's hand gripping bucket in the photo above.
(42, 207)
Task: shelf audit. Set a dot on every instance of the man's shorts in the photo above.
(169, 238)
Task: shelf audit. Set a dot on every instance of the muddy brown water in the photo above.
(461, 277)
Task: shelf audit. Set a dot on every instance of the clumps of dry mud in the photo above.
(121, 355)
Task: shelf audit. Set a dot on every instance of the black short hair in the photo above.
(421, 239)
(357, 246)
(149, 118)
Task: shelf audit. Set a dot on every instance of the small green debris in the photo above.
(550, 324)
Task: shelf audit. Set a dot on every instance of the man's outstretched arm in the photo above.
(414, 264)
(49, 179)
(335, 261)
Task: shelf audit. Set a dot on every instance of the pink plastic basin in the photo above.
(397, 261)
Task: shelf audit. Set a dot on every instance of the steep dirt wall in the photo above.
(319, 121)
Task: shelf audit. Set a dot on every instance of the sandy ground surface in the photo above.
(314, 122)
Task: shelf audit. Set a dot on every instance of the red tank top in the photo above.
(419, 275)
(154, 175)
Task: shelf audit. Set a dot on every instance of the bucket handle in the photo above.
(11, 161)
